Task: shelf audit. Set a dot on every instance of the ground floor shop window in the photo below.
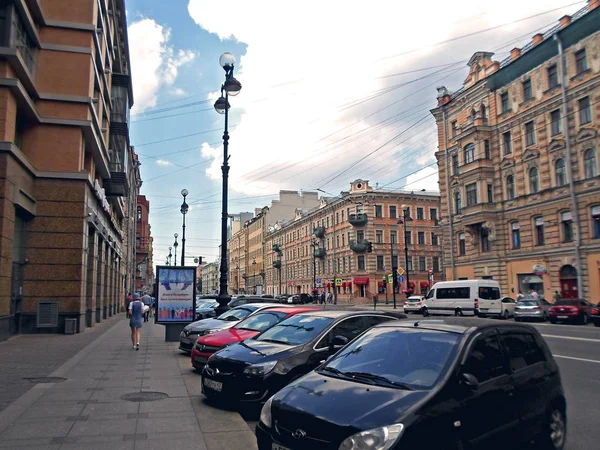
(531, 285)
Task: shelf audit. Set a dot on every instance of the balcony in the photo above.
(478, 213)
(319, 232)
(481, 165)
(359, 247)
(320, 253)
(120, 107)
(277, 264)
(358, 220)
(118, 183)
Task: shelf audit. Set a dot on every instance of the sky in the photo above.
(332, 91)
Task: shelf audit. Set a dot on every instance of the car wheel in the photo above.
(544, 317)
(554, 431)
(518, 319)
(425, 312)
(584, 319)
(505, 314)
(553, 321)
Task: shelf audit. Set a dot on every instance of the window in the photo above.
(560, 172)
(529, 134)
(534, 181)
(455, 164)
(454, 292)
(420, 214)
(516, 235)
(581, 64)
(454, 128)
(380, 264)
(596, 221)
(462, 245)
(361, 262)
(590, 166)
(434, 239)
(486, 148)
(433, 213)
(490, 193)
(552, 76)
(471, 194)
(409, 264)
(527, 91)
(138, 240)
(139, 213)
(436, 264)
(485, 362)
(408, 238)
(393, 212)
(585, 113)
(507, 141)
(566, 220)
(522, 350)
(489, 293)
(485, 240)
(360, 235)
(337, 218)
(422, 264)
(538, 223)
(393, 237)
(379, 236)
(457, 202)
(469, 153)
(349, 328)
(378, 211)
(421, 237)
(395, 261)
(504, 103)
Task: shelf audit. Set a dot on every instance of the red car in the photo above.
(570, 310)
(596, 315)
(246, 329)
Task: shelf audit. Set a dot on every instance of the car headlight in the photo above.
(260, 369)
(265, 413)
(376, 439)
(205, 332)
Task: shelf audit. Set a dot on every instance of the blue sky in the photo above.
(332, 91)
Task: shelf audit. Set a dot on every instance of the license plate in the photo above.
(214, 385)
(562, 317)
(200, 359)
(279, 447)
(484, 309)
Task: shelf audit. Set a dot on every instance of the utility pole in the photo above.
(394, 275)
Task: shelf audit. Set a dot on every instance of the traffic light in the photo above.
(370, 247)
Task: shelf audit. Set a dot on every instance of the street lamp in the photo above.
(406, 218)
(175, 244)
(315, 245)
(170, 256)
(184, 210)
(232, 87)
(254, 276)
(237, 279)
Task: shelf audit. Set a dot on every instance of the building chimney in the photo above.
(564, 21)
(593, 4)
(538, 38)
(515, 53)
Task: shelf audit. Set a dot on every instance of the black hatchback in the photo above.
(253, 370)
(445, 384)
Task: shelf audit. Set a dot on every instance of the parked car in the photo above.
(465, 298)
(595, 315)
(243, 300)
(206, 308)
(531, 308)
(414, 304)
(453, 383)
(255, 369)
(246, 329)
(282, 298)
(299, 299)
(191, 332)
(567, 310)
(508, 307)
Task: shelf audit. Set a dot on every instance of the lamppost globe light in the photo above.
(405, 207)
(227, 60)
(221, 105)
(170, 248)
(232, 86)
(184, 192)
(176, 235)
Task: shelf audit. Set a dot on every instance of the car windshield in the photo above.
(421, 357)
(568, 303)
(296, 330)
(237, 313)
(206, 304)
(261, 321)
(527, 303)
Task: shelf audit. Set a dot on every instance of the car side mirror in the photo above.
(470, 381)
(338, 342)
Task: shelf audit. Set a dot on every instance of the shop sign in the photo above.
(540, 269)
(101, 195)
(539, 221)
(567, 216)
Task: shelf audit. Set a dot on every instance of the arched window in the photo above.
(534, 181)
(483, 112)
(589, 163)
(560, 172)
(457, 202)
(139, 213)
(469, 153)
(473, 114)
(510, 187)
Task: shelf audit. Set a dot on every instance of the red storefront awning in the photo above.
(344, 284)
(380, 283)
(411, 285)
(328, 285)
(424, 284)
(361, 280)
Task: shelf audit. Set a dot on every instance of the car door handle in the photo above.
(510, 391)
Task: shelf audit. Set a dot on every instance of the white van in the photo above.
(464, 298)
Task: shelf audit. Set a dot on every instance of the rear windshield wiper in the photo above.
(376, 378)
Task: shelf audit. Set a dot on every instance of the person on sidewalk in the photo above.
(147, 301)
(136, 310)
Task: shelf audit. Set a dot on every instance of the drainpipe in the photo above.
(449, 194)
(574, 205)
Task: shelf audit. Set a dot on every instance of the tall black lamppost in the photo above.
(315, 245)
(175, 244)
(184, 209)
(254, 275)
(170, 256)
(231, 86)
(406, 218)
(237, 279)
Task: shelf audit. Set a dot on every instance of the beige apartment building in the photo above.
(348, 245)
(66, 165)
(518, 164)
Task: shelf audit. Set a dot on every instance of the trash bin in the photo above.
(70, 326)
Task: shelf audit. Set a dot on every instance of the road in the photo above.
(577, 352)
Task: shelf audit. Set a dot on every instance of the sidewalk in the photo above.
(87, 409)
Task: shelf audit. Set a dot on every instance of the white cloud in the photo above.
(178, 92)
(154, 62)
(426, 178)
(304, 60)
(163, 162)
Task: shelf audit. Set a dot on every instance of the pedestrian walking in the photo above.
(128, 301)
(136, 310)
(557, 297)
(322, 298)
(520, 296)
(147, 301)
(329, 297)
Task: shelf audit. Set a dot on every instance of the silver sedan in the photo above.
(531, 308)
